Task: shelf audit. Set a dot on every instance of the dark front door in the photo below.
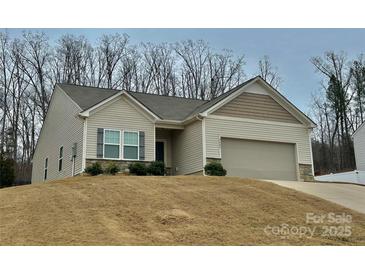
(160, 151)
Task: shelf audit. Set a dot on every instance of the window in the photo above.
(45, 168)
(111, 144)
(130, 145)
(60, 158)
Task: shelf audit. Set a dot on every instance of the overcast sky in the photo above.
(289, 49)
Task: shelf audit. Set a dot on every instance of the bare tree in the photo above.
(19, 83)
(160, 65)
(224, 72)
(194, 57)
(269, 73)
(110, 53)
(7, 70)
(337, 73)
(36, 56)
(72, 61)
(205, 74)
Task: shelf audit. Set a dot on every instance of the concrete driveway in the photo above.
(347, 195)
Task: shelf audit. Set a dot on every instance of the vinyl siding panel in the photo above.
(120, 115)
(62, 127)
(359, 146)
(256, 106)
(251, 130)
(187, 149)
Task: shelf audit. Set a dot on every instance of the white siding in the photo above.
(120, 115)
(187, 149)
(251, 130)
(356, 177)
(359, 146)
(62, 127)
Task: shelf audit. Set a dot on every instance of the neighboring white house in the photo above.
(359, 147)
(252, 129)
(356, 176)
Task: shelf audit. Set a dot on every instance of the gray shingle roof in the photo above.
(86, 97)
(166, 107)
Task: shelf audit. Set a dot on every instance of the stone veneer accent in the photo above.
(305, 173)
(123, 165)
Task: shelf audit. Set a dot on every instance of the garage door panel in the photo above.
(258, 159)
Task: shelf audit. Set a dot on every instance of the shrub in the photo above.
(156, 168)
(7, 172)
(215, 169)
(94, 169)
(138, 169)
(112, 169)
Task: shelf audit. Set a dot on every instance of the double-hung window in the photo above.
(131, 145)
(60, 159)
(111, 144)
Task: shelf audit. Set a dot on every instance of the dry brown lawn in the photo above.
(128, 210)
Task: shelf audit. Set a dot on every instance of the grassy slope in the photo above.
(107, 210)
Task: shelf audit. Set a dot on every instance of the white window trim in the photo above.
(104, 143)
(123, 144)
(60, 158)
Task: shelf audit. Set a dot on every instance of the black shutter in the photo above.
(100, 143)
(141, 145)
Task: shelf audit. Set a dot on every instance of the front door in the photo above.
(160, 151)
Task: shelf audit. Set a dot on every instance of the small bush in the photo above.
(7, 172)
(112, 169)
(156, 168)
(215, 169)
(94, 169)
(138, 169)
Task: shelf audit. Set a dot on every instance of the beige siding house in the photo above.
(252, 130)
(59, 140)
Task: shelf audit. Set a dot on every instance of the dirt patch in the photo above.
(173, 216)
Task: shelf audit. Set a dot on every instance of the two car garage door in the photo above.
(258, 159)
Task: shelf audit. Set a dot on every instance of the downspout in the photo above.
(84, 138)
(202, 119)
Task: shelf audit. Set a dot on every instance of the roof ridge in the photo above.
(171, 96)
(138, 92)
(87, 86)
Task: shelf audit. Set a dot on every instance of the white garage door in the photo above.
(257, 159)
